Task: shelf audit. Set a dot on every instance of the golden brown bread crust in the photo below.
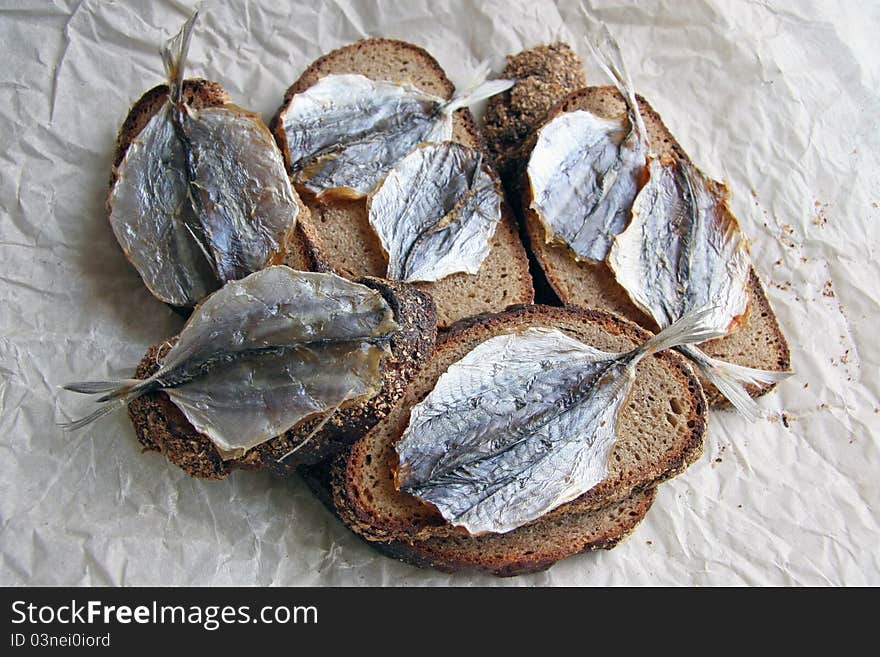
(161, 426)
(199, 93)
(502, 556)
(355, 501)
(514, 286)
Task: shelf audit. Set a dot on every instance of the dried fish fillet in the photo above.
(265, 352)
(346, 131)
(683, 249)
(435, 213)
(585, 171)
(523, 423)
(202, 196)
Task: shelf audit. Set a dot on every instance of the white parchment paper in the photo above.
(778, 99)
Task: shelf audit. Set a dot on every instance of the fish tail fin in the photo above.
(480, 89)
(117, 394)
(606, 52)
(174, 57)
(101, 411)
(693, 328)
(730, 380)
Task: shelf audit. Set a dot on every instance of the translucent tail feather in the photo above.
(606, 52)
(174, 57)
(730, 380)
(480, 89)
(117, 395)
(692, 328)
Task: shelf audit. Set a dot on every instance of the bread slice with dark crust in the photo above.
(529, 549)
(338, 233)
(660, 432)
(161, 426)
(759, 343)
(199, 94)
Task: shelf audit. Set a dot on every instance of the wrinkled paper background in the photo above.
(778, 99)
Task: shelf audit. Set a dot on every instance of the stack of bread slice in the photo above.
(350, 461)
(662, 427)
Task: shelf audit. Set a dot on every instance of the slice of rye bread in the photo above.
(660, 432)
(759, 343)
(199, 94)
(161, 426)
(339, 232)
(529, 549)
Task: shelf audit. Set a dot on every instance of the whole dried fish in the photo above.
(435, 213)
(346, 131)
(683, 251)
(522, 424)
(202, 196)
(262, 353)
(585, 170)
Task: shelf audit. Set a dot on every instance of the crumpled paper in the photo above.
(777, 99)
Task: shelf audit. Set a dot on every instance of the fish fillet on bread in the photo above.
(542, 92)
(660, 431)
(337, 232)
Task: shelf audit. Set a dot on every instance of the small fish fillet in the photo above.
(346, 131)
(585, 170)
(683, 249)
(436, 212)
(201, 196)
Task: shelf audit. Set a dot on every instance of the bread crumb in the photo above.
(828, 289)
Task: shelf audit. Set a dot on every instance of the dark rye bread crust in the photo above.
(503, 279)
(199, 93)
(161, 426)
(661, 427)
(520, 552)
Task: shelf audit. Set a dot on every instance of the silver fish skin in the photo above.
(435, 213)
(346, 131)
(153, 219)
(524, 423)
(585, 170)
(201, 197)
(263, 353)
(584, 173)
(245, 200)
(683, 249)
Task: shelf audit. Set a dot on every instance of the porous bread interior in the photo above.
(660, 431)
(759, 343)
(341, 232)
